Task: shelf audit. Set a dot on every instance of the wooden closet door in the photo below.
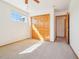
(42, 23)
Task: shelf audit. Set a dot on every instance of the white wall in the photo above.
(52, 21)
(11, 31)
(18, 3)
(74, 25)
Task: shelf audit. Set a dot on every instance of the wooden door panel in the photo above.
(42, 23)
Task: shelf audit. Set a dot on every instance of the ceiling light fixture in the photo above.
(37, 1)
(26, 1)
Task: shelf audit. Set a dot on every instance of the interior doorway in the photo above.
(62, 28)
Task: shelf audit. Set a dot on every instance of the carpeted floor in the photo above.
(48, 50)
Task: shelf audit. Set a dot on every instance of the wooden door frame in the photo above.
(64, 29)
(68, 15)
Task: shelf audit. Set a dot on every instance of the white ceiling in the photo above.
(59, 5)
(44, 5)
(17, 3)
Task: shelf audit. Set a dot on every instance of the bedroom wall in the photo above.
(74, 25)
(12, 31)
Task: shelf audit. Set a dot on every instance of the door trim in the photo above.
(67, 16)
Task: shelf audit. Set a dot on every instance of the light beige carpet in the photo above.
(48, 50)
